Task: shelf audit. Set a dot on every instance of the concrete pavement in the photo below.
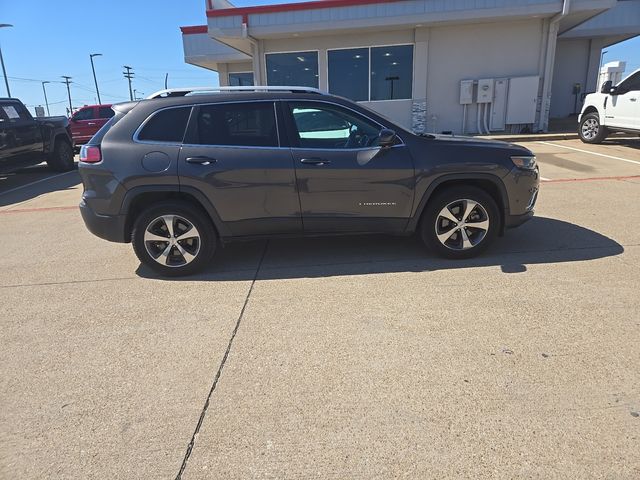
(362, 357)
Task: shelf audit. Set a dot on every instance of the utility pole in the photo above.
(67, 80)
(91, 55)
(136, 93)
(4, 71)
(166, 78)
(129, 75)
(44, 90)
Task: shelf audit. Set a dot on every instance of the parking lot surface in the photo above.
(359, 357)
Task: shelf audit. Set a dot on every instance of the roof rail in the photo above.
(185, 91)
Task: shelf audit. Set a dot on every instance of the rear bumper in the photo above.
(107, 227)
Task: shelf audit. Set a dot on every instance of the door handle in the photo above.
(315, 161)
(633, 99)
(200, 160)
(90, 123)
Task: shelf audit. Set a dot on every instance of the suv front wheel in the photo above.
(460, 222)
(174, 238)
(590, 130)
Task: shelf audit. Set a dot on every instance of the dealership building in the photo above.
(464, 66)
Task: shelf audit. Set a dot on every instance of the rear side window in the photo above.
(14, 112)
(105, 112)
(238, 124)
(166, 125)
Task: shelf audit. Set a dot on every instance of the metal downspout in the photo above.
(545, 106)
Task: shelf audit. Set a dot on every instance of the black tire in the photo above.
(173, 266)
(61, 159)
(456, 199)
(590, 130)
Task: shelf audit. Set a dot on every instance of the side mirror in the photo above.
(386, 137)
(606, 87)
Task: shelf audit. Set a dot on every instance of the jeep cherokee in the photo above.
(181, 174)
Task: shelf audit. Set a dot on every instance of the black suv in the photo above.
(179, 175)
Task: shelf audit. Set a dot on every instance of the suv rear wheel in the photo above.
(61, 159)
(174, 238)
(460, 222)
(590, 130)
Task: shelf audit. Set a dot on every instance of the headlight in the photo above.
(524, 162)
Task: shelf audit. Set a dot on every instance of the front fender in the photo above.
(457, 177)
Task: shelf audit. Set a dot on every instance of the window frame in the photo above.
(292, 129)
(138, 130)
(191, 134)
(369, 48)
(266, 71)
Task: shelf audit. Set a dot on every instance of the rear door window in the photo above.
(238, 124)
(166, 125)
(105, 112)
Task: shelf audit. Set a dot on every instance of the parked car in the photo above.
(28, 140)
(178, 176)
(86, 122)
(614, 109)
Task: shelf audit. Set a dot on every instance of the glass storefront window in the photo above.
(244, 79)
(391, 72)
(298, 69)
(349, 73)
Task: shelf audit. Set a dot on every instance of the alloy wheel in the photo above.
(172, 240)
(462, 224)
(590, 128)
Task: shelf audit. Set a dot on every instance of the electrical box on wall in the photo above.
(499, 105)
(485, 90)
(522, 100)
(466, 92)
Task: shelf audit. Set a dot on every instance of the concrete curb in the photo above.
(532, 137)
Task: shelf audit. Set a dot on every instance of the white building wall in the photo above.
(571, 67)
(442, 57)
(491, 50)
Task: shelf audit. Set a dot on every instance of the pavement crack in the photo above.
(203, 413)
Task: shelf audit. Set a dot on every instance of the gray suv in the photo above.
(179, 175)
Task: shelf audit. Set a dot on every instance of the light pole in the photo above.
(91, 55)
(4, 71)
(44, 90)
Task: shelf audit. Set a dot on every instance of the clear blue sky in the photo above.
(54, 38)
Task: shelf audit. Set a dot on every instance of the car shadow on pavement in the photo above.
(541, 240)
(26, 183)
(632, 142)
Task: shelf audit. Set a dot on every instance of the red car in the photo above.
(86, 121)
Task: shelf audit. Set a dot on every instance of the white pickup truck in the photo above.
(614, 109)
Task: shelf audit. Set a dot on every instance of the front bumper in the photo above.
(107, 227)
(512, 221)
(522, 193)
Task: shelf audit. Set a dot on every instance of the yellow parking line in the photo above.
(592, 153)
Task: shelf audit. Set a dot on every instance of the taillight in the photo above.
(90, 154)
